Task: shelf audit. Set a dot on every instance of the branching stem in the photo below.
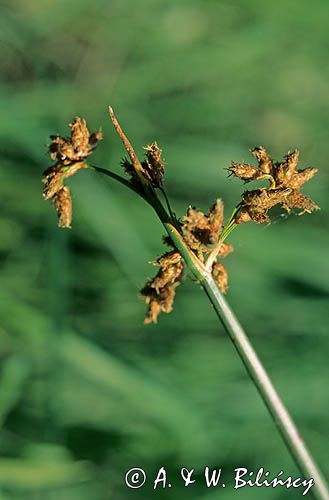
(214, 254)
(254, 367)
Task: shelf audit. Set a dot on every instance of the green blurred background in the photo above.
(86, 390)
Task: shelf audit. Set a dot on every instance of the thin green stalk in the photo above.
(214, 254)
(118, 178)
(255, 369)
(259, 376)
(171, 213)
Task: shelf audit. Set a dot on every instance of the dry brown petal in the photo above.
(159, 292)
(299, 177)
(154, 164)
(168, 259)
(53, 182)
(264, 160)
(165, 276)
(262, 199)
(61, 149)
(167, 296)
(259, 217)
(171, 269)
(256, 203)
(78, 147)
(285, 170)
(248, 172)
(158, 301)
(196, 229)
(133, 173)
(216, 219)
(242, 215)
(72, 169)
(225, 250)
(54, 176)
(63, 204)
(94, 138)
(195, 219)
(300, 201)
(201, 232)
(247, 214)
(221, 276)
(70, 155)
(153, 311)
(244, 171)
(80, 137)
(286, 182)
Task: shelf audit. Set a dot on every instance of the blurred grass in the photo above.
(86, 390)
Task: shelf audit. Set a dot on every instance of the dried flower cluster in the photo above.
(159, 293)
(284, 190)
(203, 234)
(152, 168)
(69, 155)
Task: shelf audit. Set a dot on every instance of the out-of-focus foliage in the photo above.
(86, 391)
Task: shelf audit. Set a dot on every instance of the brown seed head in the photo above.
(299, 177)
(53, 181)
(264, 160)
(76, 149)
(154, 164)
(221, 277)
(225, 250)
(244, 171)
(216, 219)
(159, 292)
(247, 214)
(263, 199)
(61, 149)
(301, 202)
(80, 137)
(158, 302)
(196, 229)
(285, 183)
(171, 269)
(63, 204)
(69, 156)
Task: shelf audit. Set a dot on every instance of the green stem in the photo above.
(213, 255)
(230, 225)
(257, 372)
(254, 367)
(120, 179)
(227, 231)
(171, 213)
(260, 378)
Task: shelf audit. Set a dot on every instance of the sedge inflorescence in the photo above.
(152, 167)
(284, 189)
(203, 234)
(69, 156)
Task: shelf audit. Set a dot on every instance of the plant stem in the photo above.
(260, 378)
(255, 369)
(257, 372)
(121, 180)
(214, 254)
